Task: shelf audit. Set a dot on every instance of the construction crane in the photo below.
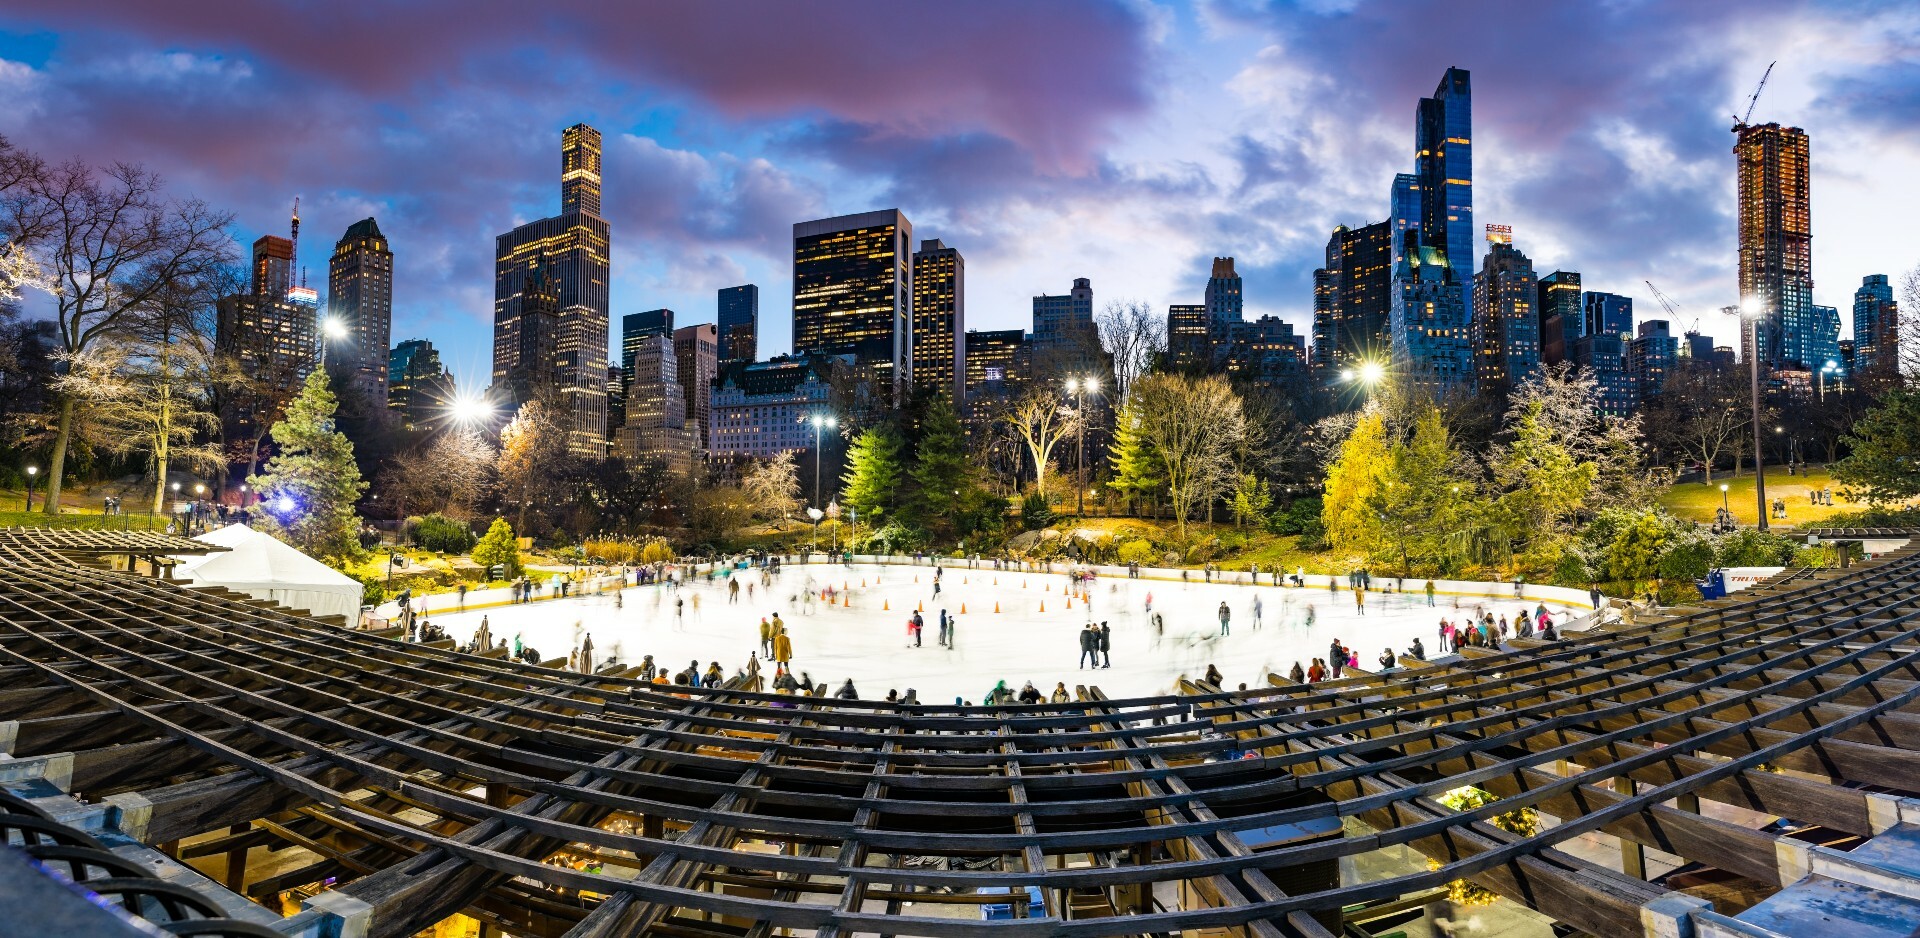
(1753, 99)
(1673, 312)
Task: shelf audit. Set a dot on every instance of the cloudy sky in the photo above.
(1126, 141)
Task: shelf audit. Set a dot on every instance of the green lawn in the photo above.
(15, 518)
(1696, 501)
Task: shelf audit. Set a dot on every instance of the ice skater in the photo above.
(1106, 645)
(1256, 613)
(1089, 646)
(1226, 619)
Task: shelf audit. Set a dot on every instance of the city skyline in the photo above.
(1054, 177)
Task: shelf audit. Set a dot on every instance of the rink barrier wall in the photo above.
(445, 603)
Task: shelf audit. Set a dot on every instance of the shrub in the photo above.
(1300, 516)
(1138, 552)
(1035, 513)
(656, 550)
(373, 591)
(1749, 548)
(440, 534)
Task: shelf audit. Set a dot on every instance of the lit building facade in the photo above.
(1429, 324)
(1188, 336)
(696, 350)
(1265, 351)
(269, 335)
(1608, 313)
(1876, 326)
(1358, 274)
(1323, 328)
(1443, 167)
(997, 363)
(558, 266)
(1562, 319)
(1652, 355)
(1064, 335)
(1603, 357)
(360, 297)
(1775, 224)
(761, 409)
(853, 293)
(940, 320)
(739, 323)
(1506, 327)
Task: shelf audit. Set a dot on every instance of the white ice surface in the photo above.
(868, 642)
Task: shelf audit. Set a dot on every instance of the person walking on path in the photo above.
(782, 648)
(1429, 593)
(1089, 646)
(1106, 645)
(1226, 618)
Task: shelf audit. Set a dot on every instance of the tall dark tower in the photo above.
(580, 170)
(550, 282)
(1443, 162)
(1776, 241)
(853, 293)
(940, 319)
(360, 298)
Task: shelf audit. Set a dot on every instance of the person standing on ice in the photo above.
(1256, 613)
(941, 637)
(1429, 593)
(782, 648)
(914, 624)
(1106, 645)
(1089, 646)
(766, 636)
(733, 591)
(1226, 618)
(1360, 599)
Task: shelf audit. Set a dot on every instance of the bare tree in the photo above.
(138, 398)
(533, 448)
(1907, 329)
(772, 487)
(1703, 415)
(1039, 421)
(1134, 334)
(107, 243)
(1195, 424)
(448, 475)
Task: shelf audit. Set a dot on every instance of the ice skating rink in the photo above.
(1033, 635)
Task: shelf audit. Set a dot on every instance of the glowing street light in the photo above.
(1723, 499)
(469, 411)
(1080, 388)
(31, 472)
(330, 328)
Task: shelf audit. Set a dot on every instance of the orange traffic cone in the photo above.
(885, 606)
(996, 609)
(863, 583)
(1049, 587)
(1043, 605)
(1069, 602)
(846, 601)
(920, 608)
(963, 609)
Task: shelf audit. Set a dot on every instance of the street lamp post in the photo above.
(31, 472)
(1724, 506)
(330, 328)
(1831, 368)
(1079, 388)
(1753, 310)
(820, 422)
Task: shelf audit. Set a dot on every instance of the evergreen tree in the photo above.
(873, 472)
(499, 548)
(943, 476)
(1424, 496)
(1884, 463)
(310, 486)
(1251, 499)
(1138, 472)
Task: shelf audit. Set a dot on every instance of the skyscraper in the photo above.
(1225, 304)
(997, 362)
(269, 335)
(565, 257)
(1430, 313)
(940, 319)
(656, 430)
(1443, 165)
(1601, 349)
(1651, 356)
(1323, 328)
(1506, 329)
(696, 352)
(739, 323)
(1608, 314)
(1562, 319)
(853, 293)
(1822, 345)
(1359, 273)
(1876, 326)
(360, 297)
(1776, 241)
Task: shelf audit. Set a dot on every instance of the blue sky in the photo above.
(1128, 142)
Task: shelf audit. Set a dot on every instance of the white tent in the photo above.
(264, 567)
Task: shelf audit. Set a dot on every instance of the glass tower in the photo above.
(739, 323)
(940, 319)
(853, 293)
(1776, 241)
